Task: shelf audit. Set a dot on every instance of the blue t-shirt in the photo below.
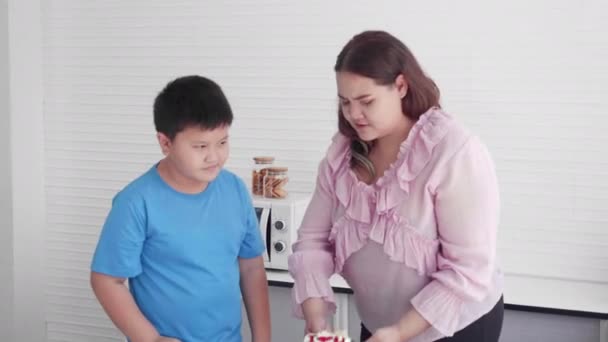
(180, 253)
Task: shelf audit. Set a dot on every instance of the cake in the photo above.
(326, 336)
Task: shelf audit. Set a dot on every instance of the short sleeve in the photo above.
(252, 245)
(118, 251)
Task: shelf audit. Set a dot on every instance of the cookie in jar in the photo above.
(260, 168)
(275, 183)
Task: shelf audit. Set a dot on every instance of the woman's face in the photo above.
(373, 110)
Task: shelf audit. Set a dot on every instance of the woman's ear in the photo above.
(164, 142)
(401, 85)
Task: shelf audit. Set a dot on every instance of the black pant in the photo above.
(486, 329)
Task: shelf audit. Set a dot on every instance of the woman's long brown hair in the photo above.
(382, 57)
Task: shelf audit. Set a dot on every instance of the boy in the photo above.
(184, 233)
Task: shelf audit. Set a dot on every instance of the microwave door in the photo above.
(264, 224)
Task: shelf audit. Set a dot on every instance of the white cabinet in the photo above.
(287, 328)
(518, 325)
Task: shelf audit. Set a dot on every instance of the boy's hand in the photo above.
(166, 339)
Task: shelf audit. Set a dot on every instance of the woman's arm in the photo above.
(467, 213)
(311, 264)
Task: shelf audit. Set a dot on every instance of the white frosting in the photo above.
(326, 336)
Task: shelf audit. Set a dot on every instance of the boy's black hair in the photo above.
(190, 101)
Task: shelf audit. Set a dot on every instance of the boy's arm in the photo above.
(254, 287)
(119, 304)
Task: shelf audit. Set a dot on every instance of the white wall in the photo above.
(529, 77)
(26, 152)
(526, 76)
(6, 221)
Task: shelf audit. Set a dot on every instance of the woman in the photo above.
(405, 209)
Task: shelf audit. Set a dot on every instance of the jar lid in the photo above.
(263, 159)
(277, 169)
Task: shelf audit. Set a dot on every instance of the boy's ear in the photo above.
(164, 142)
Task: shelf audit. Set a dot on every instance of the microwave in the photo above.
(279, 220)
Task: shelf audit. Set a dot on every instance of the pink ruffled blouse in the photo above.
(423, 235)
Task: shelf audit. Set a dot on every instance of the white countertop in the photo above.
(552, 294)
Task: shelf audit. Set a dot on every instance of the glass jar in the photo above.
(275, 183)
(260, 168)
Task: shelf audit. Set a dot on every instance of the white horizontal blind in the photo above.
(528, 78)
(540, 102)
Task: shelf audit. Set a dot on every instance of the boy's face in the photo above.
(197, 154)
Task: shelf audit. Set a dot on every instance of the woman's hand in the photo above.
(316, 324)
(315, 315)
(387, 334)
